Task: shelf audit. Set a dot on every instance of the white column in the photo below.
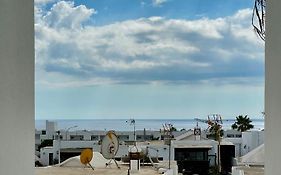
(16, 87)
(273, 88)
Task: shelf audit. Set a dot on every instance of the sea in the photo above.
(140, 124)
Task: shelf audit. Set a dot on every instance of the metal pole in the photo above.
(59, 146)
(219, 150)
(91, 166)
(135, 139)
(169, 152)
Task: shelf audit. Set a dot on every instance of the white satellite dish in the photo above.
(110, 146)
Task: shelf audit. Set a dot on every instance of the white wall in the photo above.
(63, 144)
(16, 87)
(237, 171)
(44, 155)
(273, 88)
(251, 140)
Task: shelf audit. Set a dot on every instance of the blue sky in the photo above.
(147, 59)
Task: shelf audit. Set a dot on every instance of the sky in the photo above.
(151, 59)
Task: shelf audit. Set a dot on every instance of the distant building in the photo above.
(51, 128)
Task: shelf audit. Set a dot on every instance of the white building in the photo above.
(51, 128)
(47, 156)
(98, 135)
(248, 141)
(251, 140)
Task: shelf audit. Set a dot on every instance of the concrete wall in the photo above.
(16, 87)
(273, 88)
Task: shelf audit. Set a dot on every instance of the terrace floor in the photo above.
(88, 171)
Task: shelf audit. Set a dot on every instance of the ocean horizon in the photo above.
(140, 124)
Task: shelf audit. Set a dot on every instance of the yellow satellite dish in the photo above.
(86, 157)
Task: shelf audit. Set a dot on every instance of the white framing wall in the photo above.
(16, 87)
(273, 88)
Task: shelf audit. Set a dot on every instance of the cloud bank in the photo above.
(70, 51)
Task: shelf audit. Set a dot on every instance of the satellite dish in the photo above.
(110, 146)
(86, 157)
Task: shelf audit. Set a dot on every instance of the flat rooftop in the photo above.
(144, 170)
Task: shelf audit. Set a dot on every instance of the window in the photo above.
(94, 137)
(76, 137)
(43, 132)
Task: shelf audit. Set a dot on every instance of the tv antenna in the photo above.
(86, 157)
(258, 18)
(109, 147)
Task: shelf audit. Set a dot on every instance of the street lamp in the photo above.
(133, 122)
(66, 132)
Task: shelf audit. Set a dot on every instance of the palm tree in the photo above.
(215, 132)
(242, 123)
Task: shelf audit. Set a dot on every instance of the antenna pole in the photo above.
(219, 150)
(168, 134)
(59, 148)
(170, 152)
(91, 166)
(135, 139)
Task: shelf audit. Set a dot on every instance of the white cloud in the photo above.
(242, 16)
(65, 15)
(145, 50)
(158, 2)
